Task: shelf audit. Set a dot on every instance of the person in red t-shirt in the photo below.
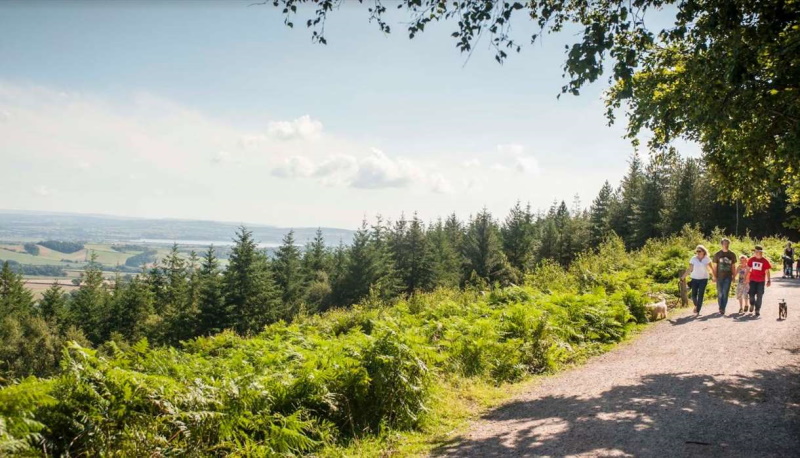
(759, 275)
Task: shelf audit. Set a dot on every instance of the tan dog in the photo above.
(657, 311)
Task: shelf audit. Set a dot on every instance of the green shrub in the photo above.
(635, 302)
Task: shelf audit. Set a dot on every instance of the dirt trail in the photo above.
(707, 386)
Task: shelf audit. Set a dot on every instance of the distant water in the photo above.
(197, 242)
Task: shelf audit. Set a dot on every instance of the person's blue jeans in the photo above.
(723, 290)
(756, 294)
(698, 291)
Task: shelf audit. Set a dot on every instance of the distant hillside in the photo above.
(25, 226)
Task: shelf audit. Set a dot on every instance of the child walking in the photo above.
(742, 285)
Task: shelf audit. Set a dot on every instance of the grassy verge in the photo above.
(455, 405)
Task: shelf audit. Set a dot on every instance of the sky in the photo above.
(218, 111)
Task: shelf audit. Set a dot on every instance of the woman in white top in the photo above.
(699, 271)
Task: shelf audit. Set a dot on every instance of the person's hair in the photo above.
(742, 256)
(725, 240)
(701, 247)
(759, 248)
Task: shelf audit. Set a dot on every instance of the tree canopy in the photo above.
(724, 73)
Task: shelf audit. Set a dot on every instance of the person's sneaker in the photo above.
(758, 314)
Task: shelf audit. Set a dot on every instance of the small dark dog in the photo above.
(782, 309)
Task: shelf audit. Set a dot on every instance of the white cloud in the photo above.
(513, 158)
(337, 170)
(379, 171)
(513, 149)
(527, 164)
(440, 184)
(374, 171)
(154, 157)
(295, 167)
(5, 116)
(302, 128)
(43, 191)
(475, 183)
(223, 157)
(252, 141)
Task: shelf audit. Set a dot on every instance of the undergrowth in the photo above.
(375, 378)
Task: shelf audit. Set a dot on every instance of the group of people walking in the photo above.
(752, 276)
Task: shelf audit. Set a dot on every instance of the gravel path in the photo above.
(707, 386)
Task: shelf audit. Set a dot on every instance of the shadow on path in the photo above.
(663, 415)
(787, 282)
(689, 318)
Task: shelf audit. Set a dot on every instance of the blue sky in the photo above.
(218, 111)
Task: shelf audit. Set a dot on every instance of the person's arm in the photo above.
(769, 278)
(712, 271)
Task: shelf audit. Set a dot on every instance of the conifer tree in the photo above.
(483, 249)
(28, 346)
(566, 239)
(551, 235)
(397, 240)
(455, 231)
(132, 312)
(684, 199)
(648, 208)
(340, 265)
(249, 287)
(193, 293)
(213, 314)
(317, 272)
(600, 214)
(316, 257)
(413, 256)
(579, 229)
(157, 283)
(175, 276)
(630, 193)
(15, 298)
(446, 258)
(518, 239)
(361, 270)
(387, 284)
(289, 275)
(179, 311)
(53, 305)
(89, 305)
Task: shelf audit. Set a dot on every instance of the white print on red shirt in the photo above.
(758, 265)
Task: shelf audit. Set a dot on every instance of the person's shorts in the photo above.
(741, 290)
